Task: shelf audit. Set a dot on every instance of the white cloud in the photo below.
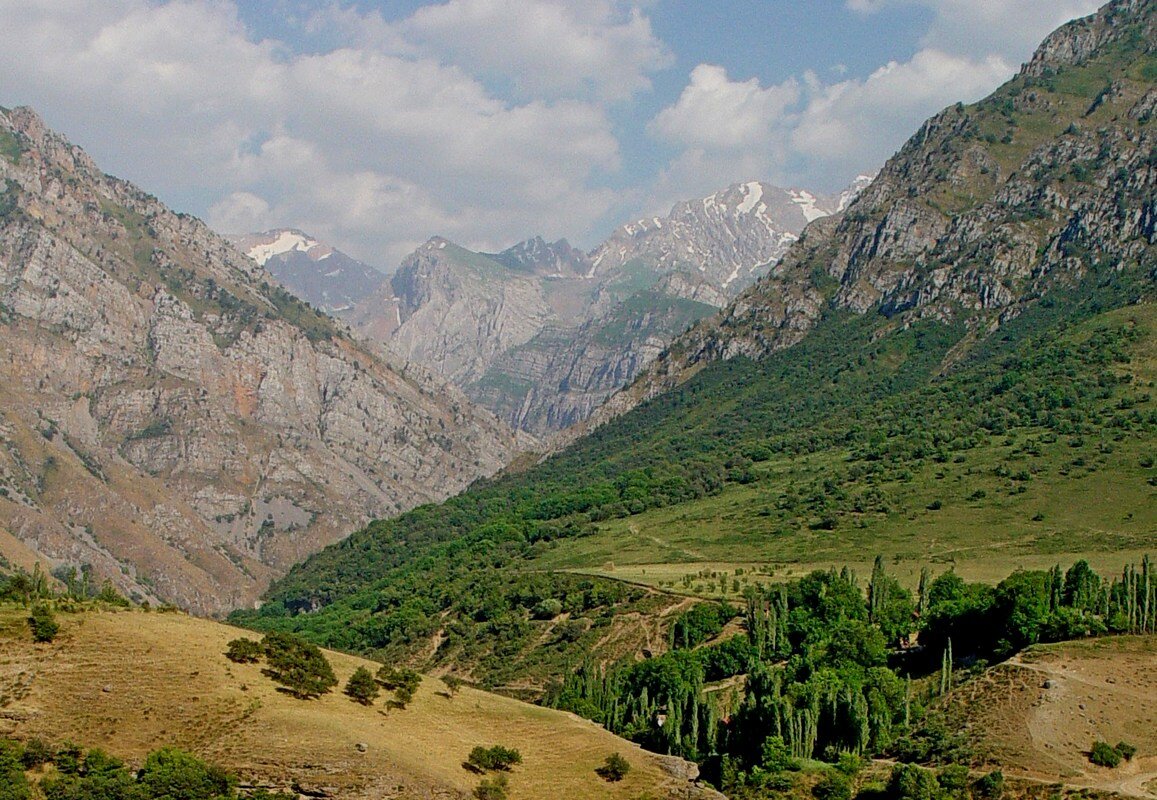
(853, 121)
(1010, 29)
(715, 112)
(371, 147)
(547, 47)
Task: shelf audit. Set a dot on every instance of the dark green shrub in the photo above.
(850, 764)
(954, 780)
(244, 651)
(1126, 750)
(173, 774)
(36, 752)
(362, 688)
(833, 785)
(910, 782)
(492, 788)
(775, 757)
(43, 623)
(13, 784)
(990, 786)
(615, 768)
(1104, 754)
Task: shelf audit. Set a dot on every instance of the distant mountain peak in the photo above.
(552, 259)
(261, 247)
(316, 272)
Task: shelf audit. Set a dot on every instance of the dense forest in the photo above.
(828, 667)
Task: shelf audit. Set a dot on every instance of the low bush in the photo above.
(494, 758)
(615, 768)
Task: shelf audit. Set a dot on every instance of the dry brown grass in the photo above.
(1039, 714)
(130, 681)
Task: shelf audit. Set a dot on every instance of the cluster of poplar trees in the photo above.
(827, 667)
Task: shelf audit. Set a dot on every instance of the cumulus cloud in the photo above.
(820, 133)
(715, 112)
(977, 28)
(373, 147)
(547, 47)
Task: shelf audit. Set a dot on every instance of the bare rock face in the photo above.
(460, 309)
(985, 211)
(170, 419)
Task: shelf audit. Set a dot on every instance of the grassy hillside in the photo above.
(130, 682)
(980, 481)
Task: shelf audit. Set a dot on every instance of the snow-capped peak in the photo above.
(276, 243)
(807, 204)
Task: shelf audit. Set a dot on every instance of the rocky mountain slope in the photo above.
(171, 419)
(984, 212)
(722, 242)
(543, 333)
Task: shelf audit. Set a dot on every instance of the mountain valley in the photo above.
(844, 497)
(542, 333)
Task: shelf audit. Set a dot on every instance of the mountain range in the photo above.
(955, 373)
(542, 333)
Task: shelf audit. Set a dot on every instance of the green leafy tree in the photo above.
(402, 681)
(494, 758)
(614, 769)
(43, 623)
(13, 783)
(362, 688)
(172, 774)
(297, 665)
(244, 651)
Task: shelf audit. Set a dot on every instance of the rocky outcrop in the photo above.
(171, 419)
(986, 210)
(563, 375)
(460, 310)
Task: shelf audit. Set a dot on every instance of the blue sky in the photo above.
(376, 125)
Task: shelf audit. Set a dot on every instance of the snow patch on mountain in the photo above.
(286, 241)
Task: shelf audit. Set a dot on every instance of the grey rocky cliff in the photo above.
(173, 420)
